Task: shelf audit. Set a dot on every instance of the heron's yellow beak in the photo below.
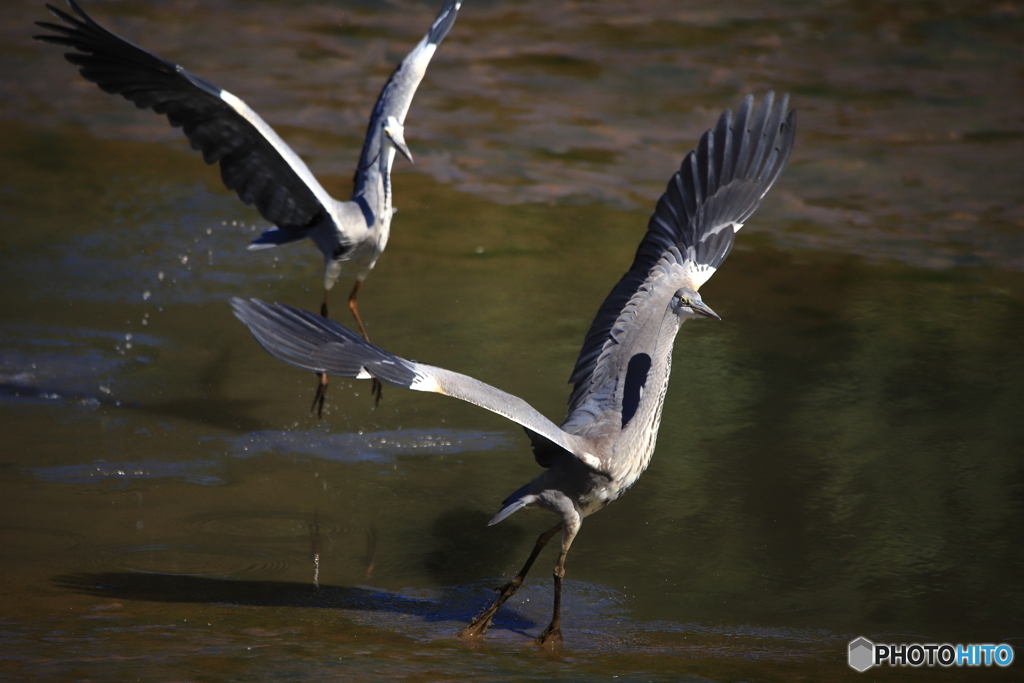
(396, 134)
(701, 308)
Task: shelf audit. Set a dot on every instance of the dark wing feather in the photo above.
(250, 163)
(717, 188)
(312, 342)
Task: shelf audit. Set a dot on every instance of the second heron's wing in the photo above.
(396, 96)
(312, 342)
(718, 187)
(254, 161)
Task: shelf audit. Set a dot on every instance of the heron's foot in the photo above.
(321, 395)
(483, 622)
(377, 389)
(551, 638)
(478, 628)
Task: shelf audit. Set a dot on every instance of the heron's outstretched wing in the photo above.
(312, 342)
(397, 94)
(717, 188)
(254, 161)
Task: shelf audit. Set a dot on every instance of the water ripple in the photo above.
(367, 446)
(192, 471)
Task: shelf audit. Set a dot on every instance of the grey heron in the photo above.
(254, 161)
(621, 375)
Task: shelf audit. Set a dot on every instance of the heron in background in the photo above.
(622, 372)
(254, 161)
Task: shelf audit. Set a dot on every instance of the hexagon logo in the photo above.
(862, 654)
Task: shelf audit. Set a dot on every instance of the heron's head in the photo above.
(395, 132)
(687, 304)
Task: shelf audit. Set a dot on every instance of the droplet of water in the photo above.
(146, 295)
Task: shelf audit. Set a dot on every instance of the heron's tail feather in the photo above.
(517, 501)
(275, 237)
(312, 342)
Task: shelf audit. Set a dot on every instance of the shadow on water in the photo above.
(464, 548)
(842, 455)
(457, 605)
(214, 409)
(233, 415)
(468, 548)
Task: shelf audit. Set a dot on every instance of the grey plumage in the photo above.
(622, 373)
(718, 185)
(315, 343)
(254, 161)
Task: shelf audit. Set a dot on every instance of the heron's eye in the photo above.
(683, 301)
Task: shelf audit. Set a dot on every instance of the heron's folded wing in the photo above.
(254, 161)
(312, 342)
(717, 188)
(396, 96)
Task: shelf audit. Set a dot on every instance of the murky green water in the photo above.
(843, 455)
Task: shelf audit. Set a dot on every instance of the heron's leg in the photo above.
(377, 388)
(353, 306)
(321, 387)
(552, 635)
(483, 622)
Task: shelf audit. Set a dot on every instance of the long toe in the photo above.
(483, 622)
(551, 638)
(478, 628)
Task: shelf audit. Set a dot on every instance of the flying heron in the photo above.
(254, 161)
(622, 372)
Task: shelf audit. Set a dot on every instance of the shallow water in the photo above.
(841, 456)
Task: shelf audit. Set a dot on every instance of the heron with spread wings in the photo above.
(622, 372)
(254, 161)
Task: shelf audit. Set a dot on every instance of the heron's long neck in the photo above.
(375, 186)
(387, 160)
(640, 434)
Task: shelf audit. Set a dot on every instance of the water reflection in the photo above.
(841, 455)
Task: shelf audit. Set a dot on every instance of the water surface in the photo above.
(841, 456)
